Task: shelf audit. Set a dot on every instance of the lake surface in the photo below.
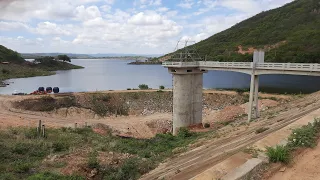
(117, 75)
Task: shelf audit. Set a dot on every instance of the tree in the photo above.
(64, 58)
(143, 86)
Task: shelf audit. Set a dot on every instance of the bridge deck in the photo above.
(245, 66)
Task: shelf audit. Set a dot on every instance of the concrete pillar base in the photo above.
(187, 97)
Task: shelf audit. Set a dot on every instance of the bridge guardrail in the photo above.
(289, 66)
(247, 65)
(181, 64)
(241, 65)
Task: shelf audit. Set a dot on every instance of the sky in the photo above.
(118, 26)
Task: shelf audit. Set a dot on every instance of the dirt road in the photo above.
(190, 164)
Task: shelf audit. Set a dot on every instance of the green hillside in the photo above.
(17, 67)
(8, 55)
(288, 34)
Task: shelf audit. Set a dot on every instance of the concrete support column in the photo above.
(258, 57)
(251, 98)
(187, 97)
(256, 97)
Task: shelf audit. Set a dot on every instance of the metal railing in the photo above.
(181, 64)
(289, 66)
(247, 65)
(216, 64)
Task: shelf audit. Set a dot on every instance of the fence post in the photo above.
(43, 131)
(75, 125)
(39, 127)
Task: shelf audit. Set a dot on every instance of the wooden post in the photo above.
(43, 131)
(75, 125)
(39, 127)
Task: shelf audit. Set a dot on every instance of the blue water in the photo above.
(117, 75)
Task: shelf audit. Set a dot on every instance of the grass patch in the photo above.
(46, 103)
(306, 136)
(22, 155)
(104, 104)
(278, 154)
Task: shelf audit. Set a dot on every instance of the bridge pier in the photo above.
(253, 109)
(187, 97)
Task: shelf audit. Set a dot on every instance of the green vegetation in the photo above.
(143, 86)
(278, 154)
(46, 103)
(206, 125)
(288, 34)
(8, 71)
(103, 105)
(261, 130)
(64, 58)
(12, 65)
(49, 63)
(306, 136)
(7, 55)
(161, 87)
(22, 152)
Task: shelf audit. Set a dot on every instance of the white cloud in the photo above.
(88, 13)
(90, 26)
(163, 9)
(48, 28)
(105, 8)
(9, 26)
(146, 3)
(146, 19)
(186, 4)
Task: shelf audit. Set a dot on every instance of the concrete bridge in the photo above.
(188, 83)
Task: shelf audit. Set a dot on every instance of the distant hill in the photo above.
(289, 34)
(84, 56)
(8, 55)
(37, 55)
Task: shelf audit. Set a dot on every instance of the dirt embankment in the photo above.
(99, 105)
(140, 114)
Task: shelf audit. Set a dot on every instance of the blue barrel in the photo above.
(41, 89)
(49, 89)
(56, 90)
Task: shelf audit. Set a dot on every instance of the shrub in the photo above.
(161, 87)
(93, 160)
(261, 130)
(143, 86)
(278, 154)
(206, 125)
(21, 148)
(129, 170)
(306, 136)
(31, 133)
(184, 132)
(5, 71)
(22, 167)
(128, 89)
(52, 176)
(59, 146)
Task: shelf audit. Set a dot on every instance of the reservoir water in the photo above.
(117, 75)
